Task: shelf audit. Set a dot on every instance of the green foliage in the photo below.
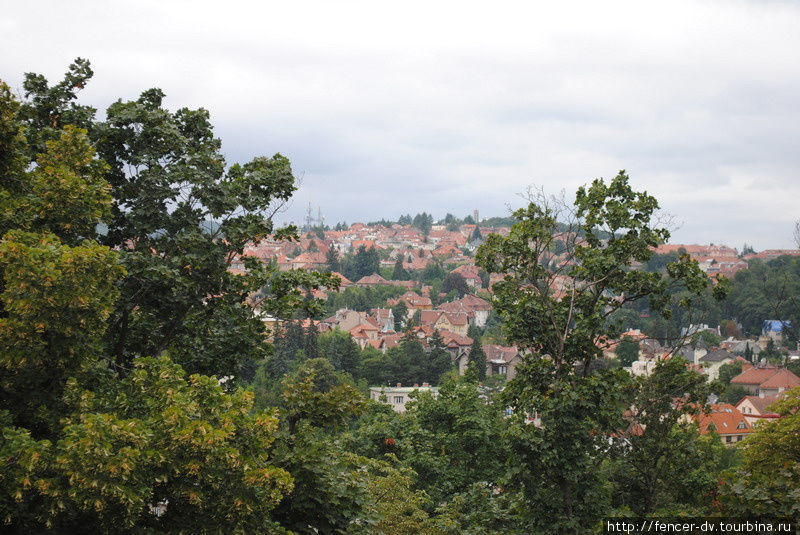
(408, 363)
(476, 235)
(341, 351)
(455, 282)
(627, 351)
(400, 510)
(152, 438)
(399, 311)
(178, 219)
(423, 221)
(477, 360)
(366, 261)
(663, 462)
(330, 493)
(56, 300)
(451, 441)
(362, 299)
(483, 509)
(101, 430)
(556, 462)
(58, 286)
(708, 338)
(332, 260)
(400, 273)
(766, 291)
(729, 371)
(768, 483)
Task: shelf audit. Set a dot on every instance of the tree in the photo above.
(101, 428)
(768, 480)
(365, 262)
(399, 311)
(477, 360)
(661, 460)
(476, 235)
(58, 285)
(178, 219)
(451, 441)
(424, 222)
(341, 351)
(627, 351)
(400, 509)
(153, 439)
(439, 360)
(709, 338)
(332, 260)
(455, 282)
(578, 406)
(400, 273)
(330, 486)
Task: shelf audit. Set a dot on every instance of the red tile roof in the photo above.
(725, 419)
(761, 404)
(754, 376)
(783, 379)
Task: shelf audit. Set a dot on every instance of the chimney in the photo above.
(425, 385)
(399, 385)
(416, 385)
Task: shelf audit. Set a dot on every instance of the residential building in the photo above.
(398, 396)
(727, 421)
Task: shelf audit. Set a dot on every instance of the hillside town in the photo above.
(459, 318)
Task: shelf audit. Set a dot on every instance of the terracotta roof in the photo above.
(468, 271)
(344, 280)
(372, 279)
(761, 404)
(457, 318)
(429, 317)
(475, 302)
(415, 300)
(496, 352)
(725, 419)
(754, 376)
(450, 338)
(784, 379)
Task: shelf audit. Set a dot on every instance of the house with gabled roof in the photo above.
(476, 309)
(727, 421)
(502, 360)
(714, 360)
(384, 317)
(371, 281)
(456, 322)
(766, 379)
(471, 275)
(413, 302)
(756, 408)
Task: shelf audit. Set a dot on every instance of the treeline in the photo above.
(764, 291)
(298, 343)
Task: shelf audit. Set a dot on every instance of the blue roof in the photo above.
(775, 326)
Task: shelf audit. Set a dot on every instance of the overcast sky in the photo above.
(402, 107)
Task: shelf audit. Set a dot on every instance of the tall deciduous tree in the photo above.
(558, 312)
(179, 216)
(101, 430)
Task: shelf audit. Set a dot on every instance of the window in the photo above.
(398, 400)
(741, 425)
(728, 439)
